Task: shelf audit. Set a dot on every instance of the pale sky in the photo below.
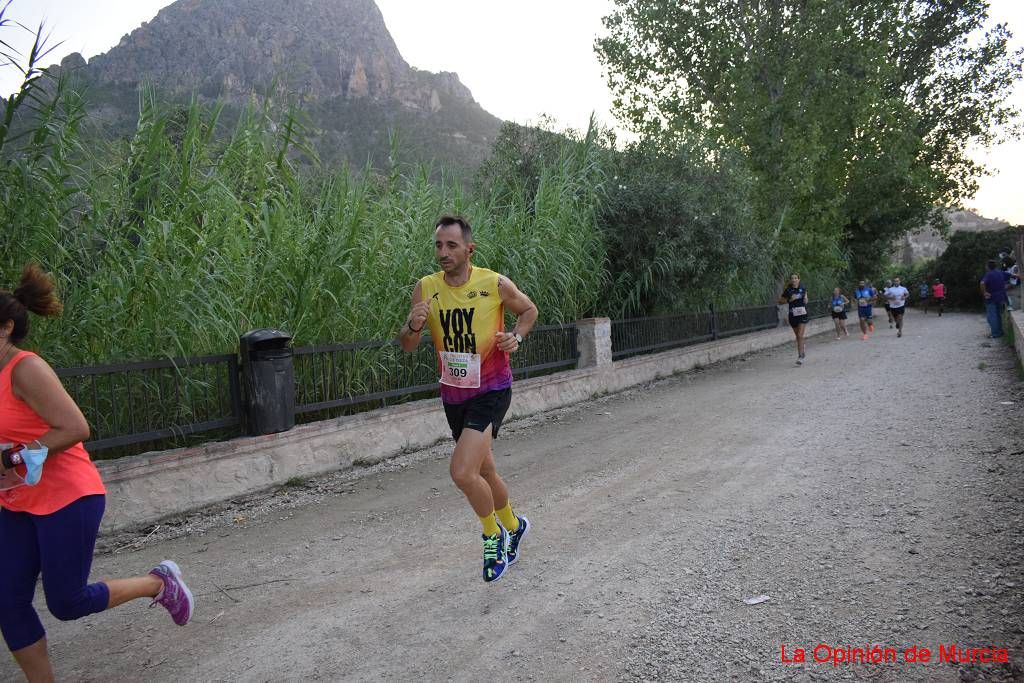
(521, 60)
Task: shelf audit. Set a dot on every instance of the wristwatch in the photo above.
(519, 337)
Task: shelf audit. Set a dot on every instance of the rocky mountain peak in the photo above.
(336, 56)
(316, 48)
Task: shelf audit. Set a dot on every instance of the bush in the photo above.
(962, 265)
(680, 234)
(678, 229)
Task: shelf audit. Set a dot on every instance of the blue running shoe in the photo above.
(515, 538)
(495, 555)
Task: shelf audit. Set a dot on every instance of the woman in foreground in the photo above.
(52, 497)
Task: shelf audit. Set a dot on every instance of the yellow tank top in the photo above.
(463, 323)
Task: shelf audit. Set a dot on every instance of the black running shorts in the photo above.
(478, 412)
(798, 320)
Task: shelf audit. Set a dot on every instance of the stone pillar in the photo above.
(594, 340)
(783, 314)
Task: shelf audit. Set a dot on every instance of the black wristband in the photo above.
(11, 457)
(412, 330)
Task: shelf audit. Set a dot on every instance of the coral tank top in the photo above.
(67, 476)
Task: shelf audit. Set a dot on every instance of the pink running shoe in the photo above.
(175, 596)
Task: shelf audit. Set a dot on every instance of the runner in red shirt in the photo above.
(939, 294)
(52, 497)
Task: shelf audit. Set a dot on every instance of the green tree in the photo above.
(854, 118)
(676, 224)
(679, 233)
(962, 265)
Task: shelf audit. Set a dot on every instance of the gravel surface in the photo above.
(874, 495)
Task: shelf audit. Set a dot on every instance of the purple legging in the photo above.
(59, 545)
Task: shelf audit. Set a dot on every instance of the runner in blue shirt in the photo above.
(839, 304)
(865, 296)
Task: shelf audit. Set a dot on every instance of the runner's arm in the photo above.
(409, 337)
(35, 383)
(521, 306)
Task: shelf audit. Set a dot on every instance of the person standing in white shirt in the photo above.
(897, 296)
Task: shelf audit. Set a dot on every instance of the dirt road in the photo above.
(874, 494)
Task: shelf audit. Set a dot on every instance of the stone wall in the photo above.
(1016, 321)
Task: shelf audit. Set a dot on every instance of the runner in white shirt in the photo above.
(897, 296)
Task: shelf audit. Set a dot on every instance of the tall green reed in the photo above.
(176, 240)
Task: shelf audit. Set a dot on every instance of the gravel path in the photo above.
(874, 494)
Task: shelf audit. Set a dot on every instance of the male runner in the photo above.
(464, 308)
(897, 296)
(865, 296)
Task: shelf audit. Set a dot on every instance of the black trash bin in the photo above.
(268, 375)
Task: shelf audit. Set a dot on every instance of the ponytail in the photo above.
(35, 293)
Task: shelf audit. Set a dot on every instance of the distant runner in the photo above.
(839, 304)
(939, 294)
(796, 296)
(865, 295)
(922, 295)
(888, 307)
(897, 296)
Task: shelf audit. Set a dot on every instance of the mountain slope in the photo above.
(335, 57)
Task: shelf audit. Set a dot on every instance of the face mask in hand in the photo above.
(31, 458)
(34, 459)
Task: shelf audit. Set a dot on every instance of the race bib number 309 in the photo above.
(460, 369)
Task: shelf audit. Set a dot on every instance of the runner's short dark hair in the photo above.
(467, 231)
